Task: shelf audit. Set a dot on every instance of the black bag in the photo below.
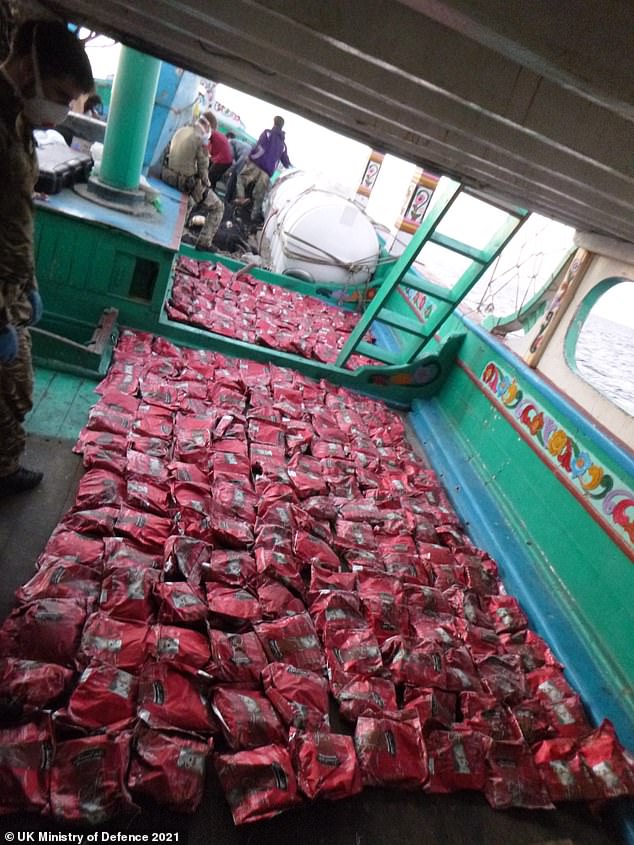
(60, 167)
(233, 233)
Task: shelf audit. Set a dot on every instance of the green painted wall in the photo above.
(591, 576)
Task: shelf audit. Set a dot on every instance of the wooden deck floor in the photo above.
(376, 817)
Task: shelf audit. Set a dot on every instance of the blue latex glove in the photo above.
(37, 307)
(8, 344)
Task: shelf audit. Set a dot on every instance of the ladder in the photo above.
(444, 299)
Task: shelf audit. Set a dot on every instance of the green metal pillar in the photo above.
(133, 95)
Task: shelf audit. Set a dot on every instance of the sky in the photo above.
(316, 148)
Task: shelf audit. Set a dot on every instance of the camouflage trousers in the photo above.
(199, 195)
(251, 174)
(16, 400)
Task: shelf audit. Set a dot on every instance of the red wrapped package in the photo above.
(230, 465)
(326, 764)
(485, 714)
(428, 599)
(292, 640)
(31, 684)
(391, 751)
(337, 609)
(277, 601)
(436, 708)
(99, 488)
(407, 568)
(157, 447)
(105, 696)
(113, 641)
(74, 547)
(180, 604)
(258, 784)
(145, 529)
(364, 697)
(457, 760)
(44, 629)
(230, 567)
(232, 606)
(300, 697)
(465, 603)
(190, 473)
(98, 457)
(173, 696)
(379, 585)
(236, 659)
(415, 662)
(121, 553)
(320, 507)
(322, 578)
(144, 495)
(531, 648)
(273, 537)
(506, 613)
(513, 779)
(101, 439)
(146, 467)
(99, 522)
(192, 438)
(278, 512)
(129, 593)
(61, 580)
(549, 684)
(568, 717)
(503, 678)
(361, 510)
(169, 767)
(191, 497)
(280, 566)
(460, 671)
(180, 645)
(25, 767)
(237, 500)
(247, 718)
(305, 477)
(88, 779)
(353, 535)
(563, 771)
(230, 532)
(481, 642)
(185, 558)
(311, 550)
(534, 720)
(352, 652)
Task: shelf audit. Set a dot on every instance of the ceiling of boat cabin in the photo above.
(531, 102)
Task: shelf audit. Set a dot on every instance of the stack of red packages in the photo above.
(250, 555)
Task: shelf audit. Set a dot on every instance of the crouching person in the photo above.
(186, 167)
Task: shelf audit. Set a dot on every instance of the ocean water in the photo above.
(605, 359)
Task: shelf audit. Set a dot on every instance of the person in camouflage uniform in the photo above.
(47, 67)
(186, 167)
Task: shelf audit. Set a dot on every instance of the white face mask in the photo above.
(39, 110)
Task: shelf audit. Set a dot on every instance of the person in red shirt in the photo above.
(220, 152)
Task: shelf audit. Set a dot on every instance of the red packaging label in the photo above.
(352, 652)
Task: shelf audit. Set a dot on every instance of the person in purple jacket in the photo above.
(263, 160)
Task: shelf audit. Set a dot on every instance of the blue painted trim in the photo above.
(490, 530)
(622, 455)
